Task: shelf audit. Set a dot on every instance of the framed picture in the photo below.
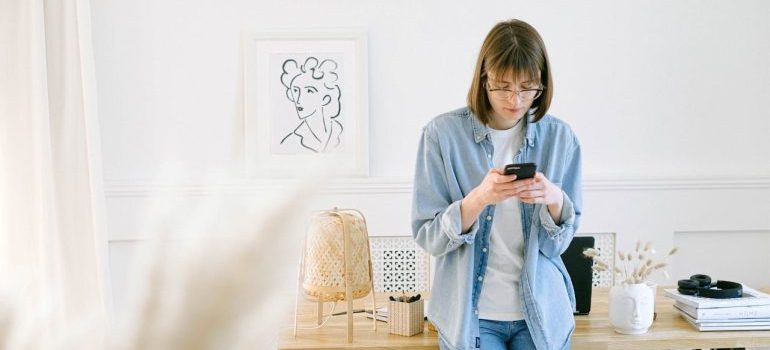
(306, 103)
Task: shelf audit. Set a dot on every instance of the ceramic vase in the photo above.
(631, 308)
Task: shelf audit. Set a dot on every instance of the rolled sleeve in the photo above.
(555, 238)
(553, 229)
(451, 224)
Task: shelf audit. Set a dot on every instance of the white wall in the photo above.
(667, 97)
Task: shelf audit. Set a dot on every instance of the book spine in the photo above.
(724, 313)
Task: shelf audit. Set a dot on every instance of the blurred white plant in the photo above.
(221, 277)
(637, 265)
(231, 287)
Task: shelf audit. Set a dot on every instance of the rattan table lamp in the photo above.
(336, 263)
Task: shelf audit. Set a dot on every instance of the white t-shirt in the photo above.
(500, 298)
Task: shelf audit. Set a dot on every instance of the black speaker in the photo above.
(580, 272)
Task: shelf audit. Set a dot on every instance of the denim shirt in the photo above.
(453, 157)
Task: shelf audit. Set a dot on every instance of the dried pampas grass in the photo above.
(637, 267)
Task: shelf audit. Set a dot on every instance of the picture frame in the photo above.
(306, 103)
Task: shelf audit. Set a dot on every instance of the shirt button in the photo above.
(480, 278)
(476, 312)
(484, 250)
(489, 155)
(489, 217)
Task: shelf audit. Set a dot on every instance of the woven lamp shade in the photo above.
(324, 262)
(336, 264)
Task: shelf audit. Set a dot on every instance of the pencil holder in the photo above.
(406, 318)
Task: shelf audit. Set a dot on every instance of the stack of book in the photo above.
(750, 312)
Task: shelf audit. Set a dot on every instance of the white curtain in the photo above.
(52, 244)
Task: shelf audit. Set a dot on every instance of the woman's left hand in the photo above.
(538, 189)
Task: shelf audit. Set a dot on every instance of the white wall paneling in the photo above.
(732, 255)
(698, 215)
(667, 98)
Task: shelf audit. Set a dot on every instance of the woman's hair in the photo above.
(324, 71)
(512, 46)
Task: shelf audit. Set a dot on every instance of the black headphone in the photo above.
(701, 286)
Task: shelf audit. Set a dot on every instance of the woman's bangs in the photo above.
(514, 61)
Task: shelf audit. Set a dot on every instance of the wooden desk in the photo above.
(333, 335)
(668, 331)
(592, 332)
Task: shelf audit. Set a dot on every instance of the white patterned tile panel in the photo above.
(605, 243)
(399, 265)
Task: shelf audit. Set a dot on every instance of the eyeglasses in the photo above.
(506, 94)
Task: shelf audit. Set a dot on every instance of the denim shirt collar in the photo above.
(480, 130)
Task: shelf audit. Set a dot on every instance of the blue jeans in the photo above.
(505, 335)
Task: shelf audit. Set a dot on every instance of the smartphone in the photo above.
(521, 170)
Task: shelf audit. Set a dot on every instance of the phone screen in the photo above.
(521, 170)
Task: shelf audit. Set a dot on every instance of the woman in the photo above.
(500, 282)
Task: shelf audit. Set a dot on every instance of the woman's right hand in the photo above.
(495, 188)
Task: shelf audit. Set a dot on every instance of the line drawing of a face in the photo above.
(313, 88)
(307, 98)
